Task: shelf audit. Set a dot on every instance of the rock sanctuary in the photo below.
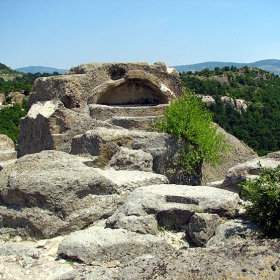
(97, 194)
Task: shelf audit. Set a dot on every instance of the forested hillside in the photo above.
(11, 80)
(259, 125)
(10, 114)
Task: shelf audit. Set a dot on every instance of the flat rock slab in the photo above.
(105, 245)
(173, 205)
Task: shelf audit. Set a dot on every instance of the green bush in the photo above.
(264, 193)
(188, 120)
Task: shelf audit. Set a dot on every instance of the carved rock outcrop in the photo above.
(110, 84)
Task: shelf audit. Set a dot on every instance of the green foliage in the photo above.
(259, 125)
(188, 120)
(9, 120)
(10, 116)
(264, 193)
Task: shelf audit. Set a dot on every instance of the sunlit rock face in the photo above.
(110, 84)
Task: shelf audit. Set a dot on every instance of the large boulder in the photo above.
(126, 159)
(234, 230)
(239, 153)
(106, 245)
(50, 126)
(247, 170)
(104, 143)
(202, 227)
(171, 207)
(52, 193)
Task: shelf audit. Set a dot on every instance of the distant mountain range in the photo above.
(270, 65)
(40, 69)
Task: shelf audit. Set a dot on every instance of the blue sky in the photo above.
(65, 33)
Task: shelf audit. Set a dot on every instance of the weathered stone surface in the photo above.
(126, 159)
(94, 83)
(103, 143)
(243, 260)
(29, 260)
(7, 151)
(208, 99)
(239, 153)
(105, 245)
(6, 143)
(17, 249)
(50, 126)
(234, 230)
(106, 113)
(139, 224)
(242, 171)
(172, 206)
(135, 123)
(238, 104)
(53, 193)
(202, 227)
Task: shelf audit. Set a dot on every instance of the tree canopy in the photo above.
(259, 125)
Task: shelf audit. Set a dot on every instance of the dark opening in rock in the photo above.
(133, 93)
(116, 72)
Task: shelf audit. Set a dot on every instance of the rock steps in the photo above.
(129, 117)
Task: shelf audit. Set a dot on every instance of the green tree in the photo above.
(188, 120)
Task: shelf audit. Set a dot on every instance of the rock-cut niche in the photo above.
(132, 90)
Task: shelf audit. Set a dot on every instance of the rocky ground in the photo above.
(89, 223)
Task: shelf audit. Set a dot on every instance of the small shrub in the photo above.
(188, 120)
(264, 193)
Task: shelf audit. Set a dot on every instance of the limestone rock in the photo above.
(172, 206)
(234, 230)
(109, 83)
(208, 99)
(17, 249)
(17, 97)
(50, 126)
(126, 159)
(6, 143)
(239, 104)
(52, 193)
(242, 171)
(105, 245)
(202, 227)
(135, 123)
(107, 113)
(104, 143)
(7, 151)
(241, 260)
(239, 153)
(22, 259)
